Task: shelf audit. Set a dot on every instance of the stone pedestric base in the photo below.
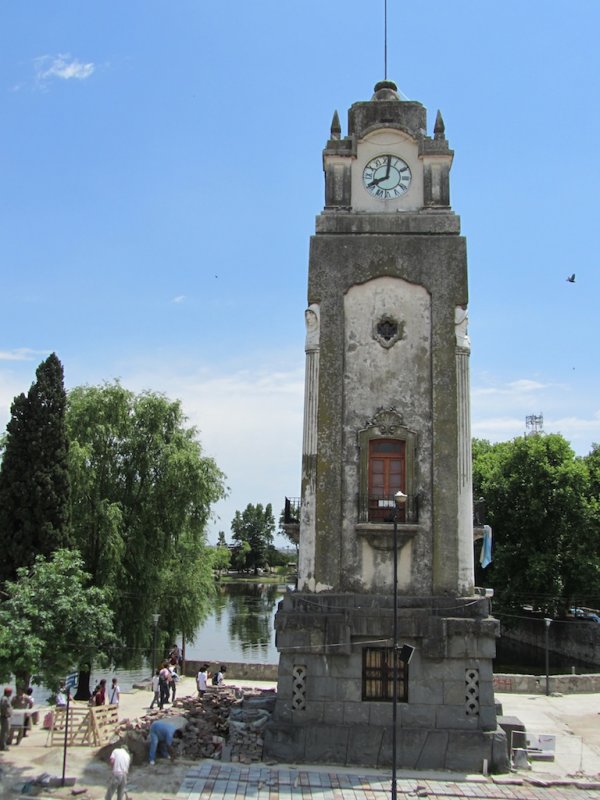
(351, 745)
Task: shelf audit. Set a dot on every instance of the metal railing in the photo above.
(382, 508)
(291, 512)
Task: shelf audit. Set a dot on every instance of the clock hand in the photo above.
(389, 164)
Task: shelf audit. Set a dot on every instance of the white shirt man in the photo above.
(120, 761)
(114, 693)
(201, 681)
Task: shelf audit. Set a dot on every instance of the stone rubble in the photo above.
(226, 723)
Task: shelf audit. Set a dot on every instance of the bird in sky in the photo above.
(571, 278)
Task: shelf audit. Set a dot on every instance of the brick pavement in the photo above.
(212, 780)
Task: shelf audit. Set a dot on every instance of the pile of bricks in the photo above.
(227, 724)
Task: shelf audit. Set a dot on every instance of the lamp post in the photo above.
(547, 622)
(400, 500)
(64, 768)
(155, 618)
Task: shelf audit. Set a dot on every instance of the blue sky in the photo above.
(160, 173)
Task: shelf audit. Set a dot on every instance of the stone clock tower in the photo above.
(386, 411)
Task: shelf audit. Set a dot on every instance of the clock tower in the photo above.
(385, 521)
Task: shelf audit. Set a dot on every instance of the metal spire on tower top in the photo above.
(385, 40)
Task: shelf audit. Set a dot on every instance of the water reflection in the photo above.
(251, 616)
(240, 627)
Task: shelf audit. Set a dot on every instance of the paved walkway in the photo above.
(214, 781)
(573, 775)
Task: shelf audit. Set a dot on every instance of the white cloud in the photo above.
(524, 386)
(179, 299)
(62, 66)
(21, 354)
(499, 411)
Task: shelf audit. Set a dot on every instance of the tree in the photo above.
(592, 462)
(254, 526)
(34, 478)
(220, 558)
(142, 493)
(537, 499)
(50, 618)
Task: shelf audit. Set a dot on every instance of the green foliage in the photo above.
(240, 556)
(276, 558)
(255, 526)
(51, 618)
(592, 462)
(543, 515)
(142, 493)
(34, 479)
(220, 558)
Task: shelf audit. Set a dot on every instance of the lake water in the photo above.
(240, 628)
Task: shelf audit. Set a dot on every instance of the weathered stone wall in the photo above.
(578, 639)
(536, 684)
(250, 672)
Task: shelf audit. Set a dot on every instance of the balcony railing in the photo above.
(291, 512)
(382, 508)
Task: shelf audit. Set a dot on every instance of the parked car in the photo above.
(585, 613)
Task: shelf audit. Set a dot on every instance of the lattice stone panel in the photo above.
(298, 687)
(472, 692)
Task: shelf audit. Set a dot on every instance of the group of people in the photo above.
(164, 685)
(22, 701)
(204, 676)
(101, 694)
(97, 698)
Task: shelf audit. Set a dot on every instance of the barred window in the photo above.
(377, 675)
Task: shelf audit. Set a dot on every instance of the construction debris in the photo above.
(226, 723)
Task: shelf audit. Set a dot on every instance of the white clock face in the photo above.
(386, 177)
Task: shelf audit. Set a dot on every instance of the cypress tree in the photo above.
(34, 478)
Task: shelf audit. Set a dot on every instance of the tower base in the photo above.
(335, 686)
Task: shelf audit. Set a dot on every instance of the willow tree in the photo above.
(34, 478)
(142, 492)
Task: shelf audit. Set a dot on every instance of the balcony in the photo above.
(379, 509)
(291, 518)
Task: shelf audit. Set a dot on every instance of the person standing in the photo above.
(61, 696)
(162, 734)
(34, 717)
(173, 683)
(156, 690)
(22, 701)
(119, 761)
(164, 680)
(175, 655)
(100, 693)
(114, 693)
(5, 715)
(201, 680)
(217, 678)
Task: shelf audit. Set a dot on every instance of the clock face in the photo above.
(386, 177)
